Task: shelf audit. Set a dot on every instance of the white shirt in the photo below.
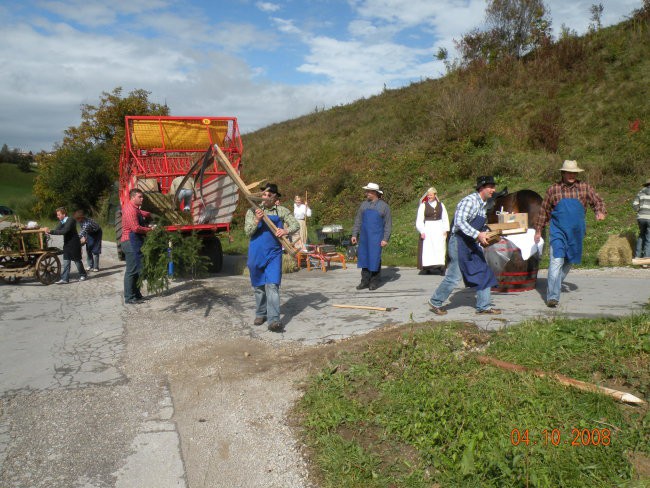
(301, 211)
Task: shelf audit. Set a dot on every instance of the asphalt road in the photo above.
(94, 393)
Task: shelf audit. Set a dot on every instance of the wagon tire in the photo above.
(212, 249)
(118, 235)
(48, 268)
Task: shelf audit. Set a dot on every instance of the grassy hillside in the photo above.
(577, 99)
(16, 189)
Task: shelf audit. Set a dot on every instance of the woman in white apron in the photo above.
(432, 223)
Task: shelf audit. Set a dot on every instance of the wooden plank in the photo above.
(641, 261)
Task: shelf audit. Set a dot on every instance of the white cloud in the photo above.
(267, 6)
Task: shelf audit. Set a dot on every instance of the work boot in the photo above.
(259, 320)
(275, 326)
(363, 285)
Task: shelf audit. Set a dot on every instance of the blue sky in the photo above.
(260, 61)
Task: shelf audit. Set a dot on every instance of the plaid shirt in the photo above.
(88, 226)
(130, 221)
(557, 191)
(467, 210)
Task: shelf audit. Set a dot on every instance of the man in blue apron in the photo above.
(372, 228)
(466, 257)
(564, 206)
(265, 255)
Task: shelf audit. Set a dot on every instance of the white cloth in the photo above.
(526, 243)
(434, 245)
(301, 211)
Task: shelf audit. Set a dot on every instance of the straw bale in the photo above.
(618, 250)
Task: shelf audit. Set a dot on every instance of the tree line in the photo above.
(14, 156)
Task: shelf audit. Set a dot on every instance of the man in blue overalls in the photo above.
(265, 255)
(372, 228)
(565, 205)
(466, 257)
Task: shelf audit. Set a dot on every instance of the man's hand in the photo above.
(46, 230)
(82, 240)
(353, 240)
(281, 232)
(259, 214)
(383, 243)
(538, 236)
(600, 216)
(482, 239)
(423, 236)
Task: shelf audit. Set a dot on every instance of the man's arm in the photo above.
(357, 222)
(388, 223)
(463, 214)
(596, 203)
(291, 224)
(62, 229)
(251, 224)
(543, 215)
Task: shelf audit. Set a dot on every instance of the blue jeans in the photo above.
(65, 274)
(643, 242)
(453, 277)
(131, 273)
(558, 269)
(267, 302)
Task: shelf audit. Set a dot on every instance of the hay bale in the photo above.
(618, 250)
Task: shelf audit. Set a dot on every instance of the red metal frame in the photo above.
(159, 164)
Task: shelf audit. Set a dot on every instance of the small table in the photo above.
(325, 254)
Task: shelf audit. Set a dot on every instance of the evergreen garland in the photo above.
(185, 254)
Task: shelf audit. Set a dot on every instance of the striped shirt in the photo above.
(579, 190)
(641, 204)
(467, 210)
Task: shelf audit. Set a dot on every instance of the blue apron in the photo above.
(568, 230)
(471, 259)
(265, 255)
(137, 240)
(370, 237)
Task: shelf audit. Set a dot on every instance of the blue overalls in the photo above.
(369, 252)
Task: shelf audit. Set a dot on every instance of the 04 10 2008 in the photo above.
(554, 437)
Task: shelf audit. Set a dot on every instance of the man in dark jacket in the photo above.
(71, 245)
(641, 205)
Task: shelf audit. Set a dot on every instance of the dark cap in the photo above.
(271, 187)
(484, 180)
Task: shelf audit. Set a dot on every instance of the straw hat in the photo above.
(373, 187)
(571, 167)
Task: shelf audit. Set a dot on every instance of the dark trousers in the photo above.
(368, 277)
(131, 273)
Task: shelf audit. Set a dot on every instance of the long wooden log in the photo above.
(230, 171)
(621, 396)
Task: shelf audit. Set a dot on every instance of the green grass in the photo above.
(16, 190)
(421, 411)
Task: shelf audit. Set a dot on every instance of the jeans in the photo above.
(93, 261)
(65, 274)
(131, 273)
(267, 302)
(643, 242)
(453, 277)
(558, 269)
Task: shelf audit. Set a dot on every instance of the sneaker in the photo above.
(552, 303)
(489, 311)
(362, 285)
(61, 282)
(437, 310)
(275, 326)
(83, 278)
(259, 320)
(94, 269)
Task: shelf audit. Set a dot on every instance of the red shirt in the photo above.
(130, 221)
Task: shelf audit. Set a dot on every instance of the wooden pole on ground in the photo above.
(365, 307)
(621, 396)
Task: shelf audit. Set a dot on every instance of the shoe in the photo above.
(94, 269)
(275, 327)
(489, 311)
(552, 303)
(362, 285)
(61, 282)
(437, 310)
(83, 278)
(186, 209)
(134, 301)
(373, 286)
(259, 320)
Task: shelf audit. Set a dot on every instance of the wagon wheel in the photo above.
(48, 268)
(4, 260)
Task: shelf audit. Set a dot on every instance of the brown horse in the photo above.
(522, 201)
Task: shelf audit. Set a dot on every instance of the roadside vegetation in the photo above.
(418, 409)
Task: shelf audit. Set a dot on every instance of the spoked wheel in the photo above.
(48, 268)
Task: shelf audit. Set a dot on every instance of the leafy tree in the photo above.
(514, 28)
(74, 176)
(83, 167)
(103, 125)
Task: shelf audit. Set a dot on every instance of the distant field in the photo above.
(16, 189)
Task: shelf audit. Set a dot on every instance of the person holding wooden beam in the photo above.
(265, 255)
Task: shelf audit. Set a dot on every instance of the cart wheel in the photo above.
(48, 268)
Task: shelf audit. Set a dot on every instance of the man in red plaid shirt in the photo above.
(565, 206)
(134, 228)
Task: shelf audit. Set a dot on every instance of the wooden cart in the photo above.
(25, 259)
